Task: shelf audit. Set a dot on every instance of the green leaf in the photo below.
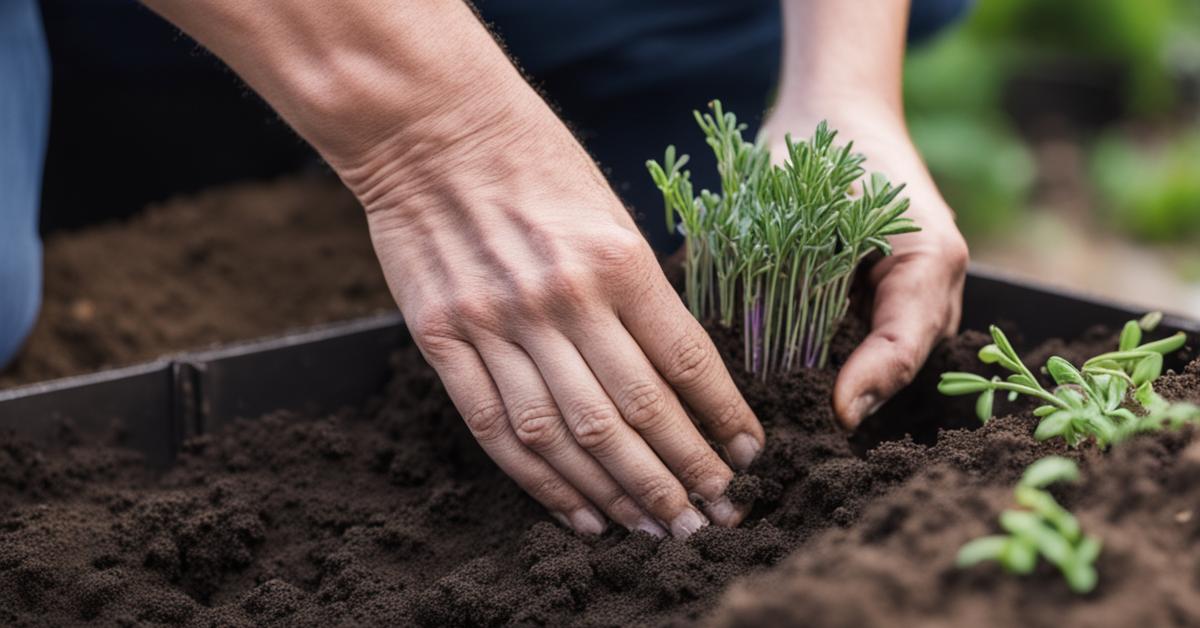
(1049, 470)
(983, 405)
(1019, 557)
(1003, 344)
(1131, 336)
(1054, 425)
(981, 549)
(990, 354)
(1170, 344)
(1021, 379)
(954, 383)
(1063, 372)
(1044, 411)
(1148, 369)
(1081, 577)
(1150, 321)
(1088, 549)
(1049, 542)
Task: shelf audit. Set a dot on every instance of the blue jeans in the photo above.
(625, 73)
(24, 115)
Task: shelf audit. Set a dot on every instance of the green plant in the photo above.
(778, 246)
(1087, 401)
(1040, 526)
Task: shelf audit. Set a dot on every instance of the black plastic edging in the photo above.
(160, 404)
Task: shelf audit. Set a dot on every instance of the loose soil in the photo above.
(233, 263)
(389, 514)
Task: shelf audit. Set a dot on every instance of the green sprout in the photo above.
(778, 246)
(1040, 526)
(1086, 401)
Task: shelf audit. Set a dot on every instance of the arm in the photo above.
(524, 281)
(843, 62)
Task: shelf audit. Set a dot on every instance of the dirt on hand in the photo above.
(390, 514)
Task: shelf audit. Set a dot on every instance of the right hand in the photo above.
(528, 287)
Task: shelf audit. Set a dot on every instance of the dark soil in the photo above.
(230, 264)
(391, 515)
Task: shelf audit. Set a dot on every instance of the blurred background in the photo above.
(1066, 133)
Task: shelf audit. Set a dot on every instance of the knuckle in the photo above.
(729, 418)
(620, 249)
(689, 362)
(958, 254)
(537, 426)
(643, 405)
(698, 466)
(566, 283)
(486, 420)
(658, 494)
(549, 489)
(907, 364)
(596, 427)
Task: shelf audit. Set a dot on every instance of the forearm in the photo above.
(378, 88)
(844, 51)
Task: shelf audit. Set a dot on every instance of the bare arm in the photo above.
(524, 281)
(843, 62)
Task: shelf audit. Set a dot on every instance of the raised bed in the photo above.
(387, 513)
(162, 403)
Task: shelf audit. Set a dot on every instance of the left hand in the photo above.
(918, 289)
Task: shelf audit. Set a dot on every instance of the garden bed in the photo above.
(388, 513)
(233, 263)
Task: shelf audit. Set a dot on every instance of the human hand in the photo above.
(917, 289)
(527, 286)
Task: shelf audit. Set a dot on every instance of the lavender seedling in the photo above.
(775, 251)
(1088, 401)
(1040, 526)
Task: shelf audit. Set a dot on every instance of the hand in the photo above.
(527, 286)
(917, 289)
(522, 278)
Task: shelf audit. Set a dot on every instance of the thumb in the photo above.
(883, 364)
(907, 322)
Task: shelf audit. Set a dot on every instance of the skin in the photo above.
(524, 281)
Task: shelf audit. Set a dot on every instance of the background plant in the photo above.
(1040, 526)
(776, 249)
(1087, 401)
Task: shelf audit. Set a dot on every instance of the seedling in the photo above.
(1040, 526)
(778, 246)
(1088, 401)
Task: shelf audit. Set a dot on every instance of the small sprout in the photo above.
(1088, 401)
(776, 250)
(1040, 527)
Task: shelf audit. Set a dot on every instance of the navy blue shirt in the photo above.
(626, 75)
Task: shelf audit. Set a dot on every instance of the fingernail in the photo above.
(742, 450)
(585, 521)
(651, 527)
(723, 512)
(686, 523)
(862, 408)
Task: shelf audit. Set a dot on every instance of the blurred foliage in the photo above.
(1152, 191)
(955, 94)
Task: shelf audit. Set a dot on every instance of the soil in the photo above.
(233, 263)
(389, 514)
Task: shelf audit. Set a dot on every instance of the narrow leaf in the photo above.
(1049, 470)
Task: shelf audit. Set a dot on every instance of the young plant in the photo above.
(1086, 401)
(775, 251)
(1040, 526)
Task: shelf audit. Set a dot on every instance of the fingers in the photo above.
(474, 394)
(539, 426)
(599, 429)
(650, 407)
(911, 314)
(682, 352)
